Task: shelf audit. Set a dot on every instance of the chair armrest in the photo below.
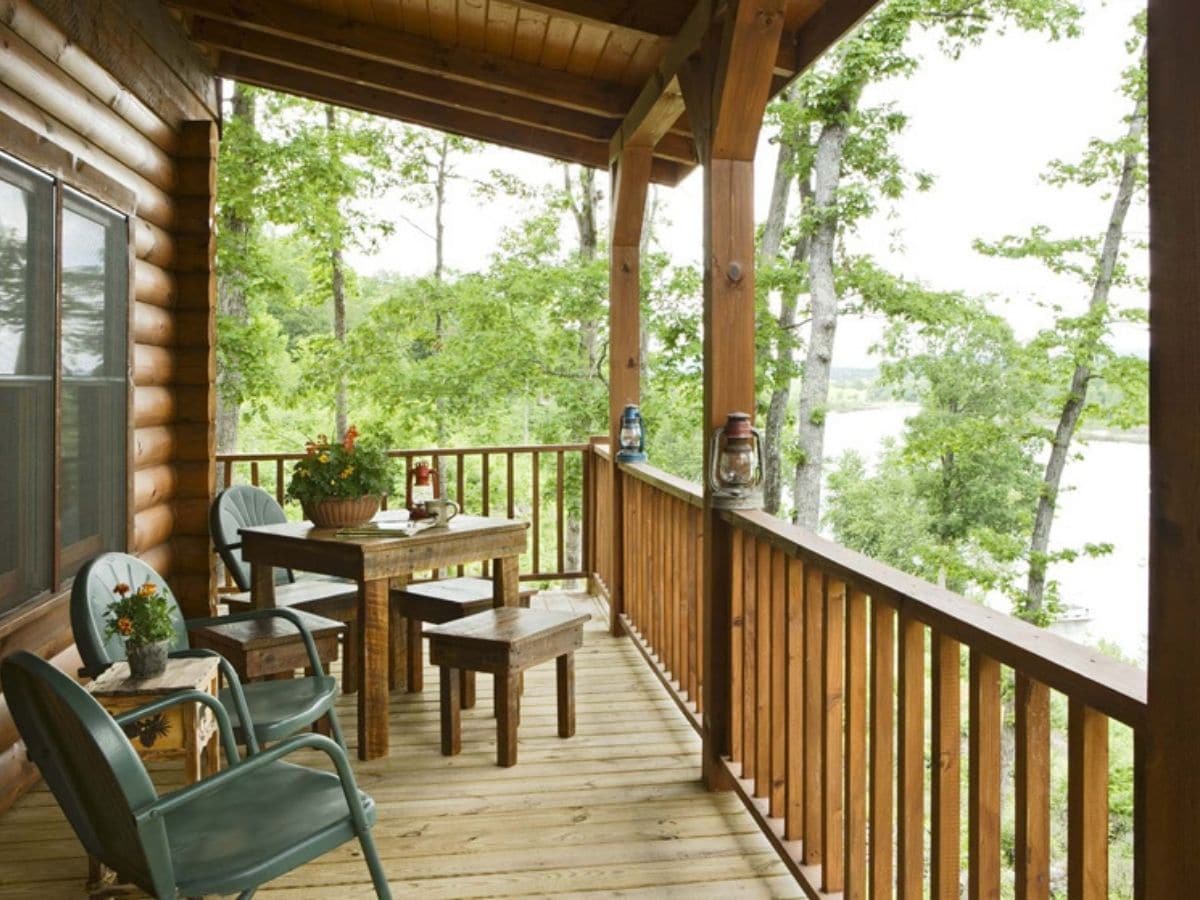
(223, 725)
(235, 688)
(290, 615)
(250, 765)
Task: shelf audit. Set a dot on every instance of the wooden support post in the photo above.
(1170, 866)
(630, 182)
(725, 87)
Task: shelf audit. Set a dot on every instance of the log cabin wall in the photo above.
(109, 97)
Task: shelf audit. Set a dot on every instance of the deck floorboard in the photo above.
(617, 810)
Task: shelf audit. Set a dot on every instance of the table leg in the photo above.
(399, 653)
(262, 586)
(508, 716)
(467, 682)
(212, 754)
(451, 719)
(416, 655)
(372, 669)
(506, 582)
(193, 759)
(566, 695)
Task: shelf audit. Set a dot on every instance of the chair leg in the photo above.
(397, 649)
(467, 684)
(566, 695)
(508, 716)
(350, 659)
(451, 720)
(367, 840)
(416, 655)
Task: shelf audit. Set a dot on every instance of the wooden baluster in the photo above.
(855, 866)
(510, 490)
(227, 477)
(1087, 802)
(682, 566)
(910, 771)
(833, 635)
(560, 534)
(1032, 777)
(668, 565)
(883, 739)
(737, 639)
(279, 482)
(589, 558)
(536, 507)
(778, 681)
(762, 740)
(653, 594)
(983, 803)
(749, 656)
(945, 786)
(485, 500)
(460, 481)
(692, 560)
(254, 473)
(814, 620)
(700, 628)
(793, 825)
(635, 549)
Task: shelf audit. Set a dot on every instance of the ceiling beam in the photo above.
(422, 112)
(825, 27)
(488, 70)
(662, 18)
(262, 45)
(659, 103)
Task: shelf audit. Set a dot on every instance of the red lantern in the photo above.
(423, 486)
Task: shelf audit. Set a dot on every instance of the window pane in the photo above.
(94, 365)
(26, 381)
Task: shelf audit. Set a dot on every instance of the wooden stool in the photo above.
(505, 642)
(438, 602)
(269, 646)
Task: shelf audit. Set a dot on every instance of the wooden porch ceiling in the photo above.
(575, 80)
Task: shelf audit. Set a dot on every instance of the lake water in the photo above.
(1105, 499)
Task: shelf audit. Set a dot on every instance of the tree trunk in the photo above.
(814, 391)
(337, 283)
(231, 296)
(1068, 419)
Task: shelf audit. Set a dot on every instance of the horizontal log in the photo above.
(150, 202)
(153, 485)
(145, 49)
(153, 285)
(1114, 688)
(27, 72)
(153, 446)
(50, 40)
(38, 627)
(65, 659)
(152, 366)
(153, 406)
(153, 244)
(153, 526)
(153, 326)
(161, 558)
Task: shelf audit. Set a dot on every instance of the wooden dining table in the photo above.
(376, 563)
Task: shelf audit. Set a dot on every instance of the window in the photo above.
(63, 382)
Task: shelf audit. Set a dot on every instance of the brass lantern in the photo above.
(736, 464)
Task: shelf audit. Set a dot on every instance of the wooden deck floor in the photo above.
(617, 810)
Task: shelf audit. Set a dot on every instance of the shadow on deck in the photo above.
(617, 810)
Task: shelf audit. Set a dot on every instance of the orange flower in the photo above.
(122, 588)
(147, 589)
(351, 437)
(125, 625)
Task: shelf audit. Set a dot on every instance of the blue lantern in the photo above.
(632, 437)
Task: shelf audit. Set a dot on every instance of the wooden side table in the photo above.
(270, 646)
(187, 730)
(505, 642)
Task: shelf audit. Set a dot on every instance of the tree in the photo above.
(845, 165)
(1078, 349)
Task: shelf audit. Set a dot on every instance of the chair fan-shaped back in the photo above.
(91, 596)
(91, 768)
(242, 506)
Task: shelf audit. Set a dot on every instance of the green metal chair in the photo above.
(276, 708)
(227, 834)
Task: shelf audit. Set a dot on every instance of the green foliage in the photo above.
(139, 617)
(340, 469)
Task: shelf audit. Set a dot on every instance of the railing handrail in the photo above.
(1113, 687)
(677, 487)
(423, 451)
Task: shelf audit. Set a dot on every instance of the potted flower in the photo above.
(142, 618)
(339, 484)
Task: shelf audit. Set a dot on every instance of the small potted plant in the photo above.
(339, 484)
(142, 618)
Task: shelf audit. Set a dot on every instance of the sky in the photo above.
(984, 125)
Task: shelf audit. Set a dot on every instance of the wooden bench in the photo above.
(270, 646)
(505, 642)
(438, 602)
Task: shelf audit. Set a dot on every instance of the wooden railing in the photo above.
(847, 721)
(545, 484)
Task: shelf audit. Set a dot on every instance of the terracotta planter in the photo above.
(147, 660)
(342, 512)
